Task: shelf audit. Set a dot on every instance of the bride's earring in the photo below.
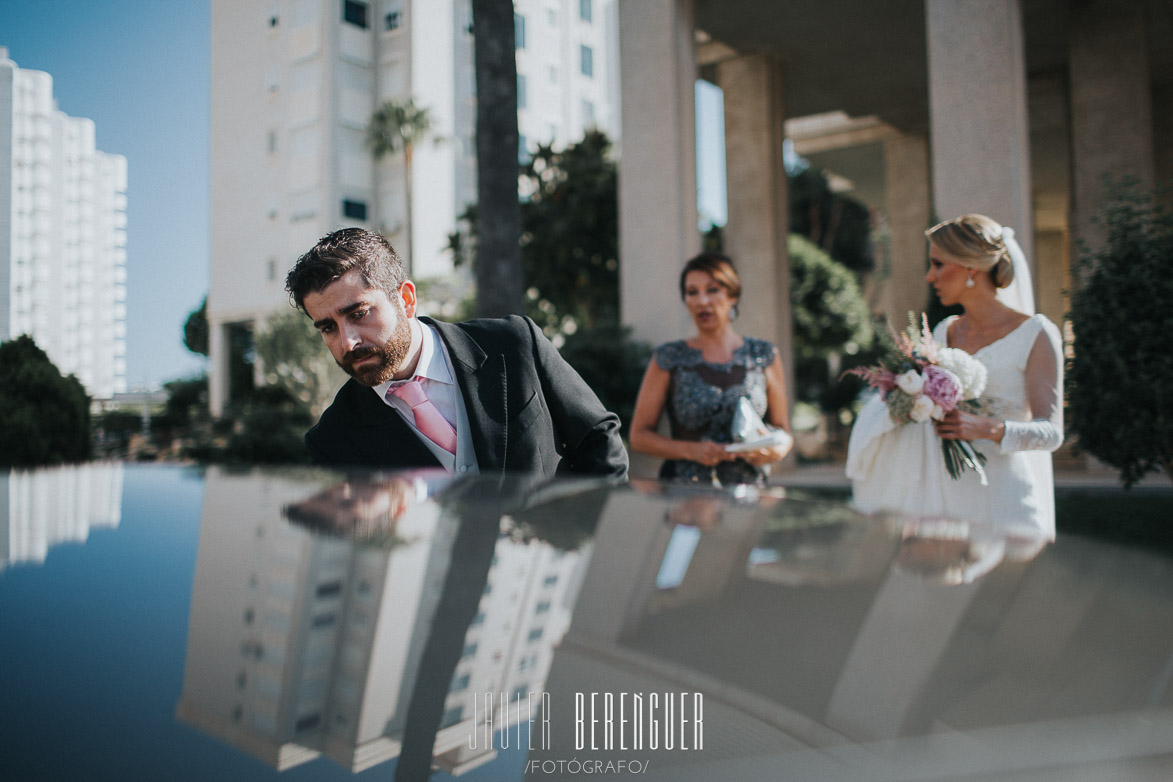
(969, 281)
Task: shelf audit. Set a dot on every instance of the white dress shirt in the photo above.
(435, 371)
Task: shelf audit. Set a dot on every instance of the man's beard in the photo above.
(390, 356)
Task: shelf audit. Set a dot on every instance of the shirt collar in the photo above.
(431, 364)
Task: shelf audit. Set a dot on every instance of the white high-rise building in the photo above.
(294, 84)
(301, 644)
(43, 508)
(62, 234)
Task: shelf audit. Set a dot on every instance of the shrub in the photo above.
(270, 430)
(612, 364)
(830, 317)
(1120, 378)
(44, 417)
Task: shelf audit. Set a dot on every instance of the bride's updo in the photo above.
(975, 242)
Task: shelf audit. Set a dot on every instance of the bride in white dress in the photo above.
(976, 263)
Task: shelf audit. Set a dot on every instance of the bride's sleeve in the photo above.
(1044, 392)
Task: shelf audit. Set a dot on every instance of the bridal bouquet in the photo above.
(923, 380)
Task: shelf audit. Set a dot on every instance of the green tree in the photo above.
(270, 430)
(187, 400)
(1120, 378)
(831, 317)
(44, 417)
(294, 358)
(570, 258)
(113, 430)
(398, 125)
(195, 329)
(611, 363)
(499, 276)
(838, 224)
(569, 240)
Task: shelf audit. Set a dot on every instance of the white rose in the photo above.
(922, 409)
(910, 382)
(938, 413)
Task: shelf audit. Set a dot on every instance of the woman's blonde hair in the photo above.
(975, 242)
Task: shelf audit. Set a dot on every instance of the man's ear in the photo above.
(407, 296)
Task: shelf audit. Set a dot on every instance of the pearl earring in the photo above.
(969, 281)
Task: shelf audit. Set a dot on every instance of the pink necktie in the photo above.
(428, 420)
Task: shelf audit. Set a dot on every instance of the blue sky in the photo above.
(140, 70)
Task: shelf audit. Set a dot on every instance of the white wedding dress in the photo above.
(901, 469)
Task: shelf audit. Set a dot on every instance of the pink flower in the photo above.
(942, 386)
(885, 381)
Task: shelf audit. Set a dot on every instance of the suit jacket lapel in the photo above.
(384, 436)
(481, 379)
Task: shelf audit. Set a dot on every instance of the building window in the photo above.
(552, 17)
(272, 271)
(520, 91)
(354, 210)
(519, 31)
(522, 149)
(308, 722)
(542, 607)
(551, 580)
(355, 13)
(272, 142)
(459, 683)
(535, 634)
(528, 663)
(393, 20)
(273, 20)
(586, 59)
(584, 10)
(329, 589)
(324, 620)
(588, 114)
(469, 650)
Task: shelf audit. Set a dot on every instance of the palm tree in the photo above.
(399, 124)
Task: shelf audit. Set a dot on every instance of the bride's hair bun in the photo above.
(975, 241)
(1002, 273)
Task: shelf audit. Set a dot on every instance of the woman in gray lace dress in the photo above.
(700, 380)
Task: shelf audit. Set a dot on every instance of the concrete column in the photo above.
(908, 206)
(217, 368)
(1111, 109)
(755, 235)
(657, 168)
(977, 112)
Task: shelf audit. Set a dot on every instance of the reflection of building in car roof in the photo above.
(304, 644)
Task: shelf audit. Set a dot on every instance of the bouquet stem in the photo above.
(961, 456)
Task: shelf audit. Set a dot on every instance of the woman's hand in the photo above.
(959, 425)
(764, 456)
(709, 453)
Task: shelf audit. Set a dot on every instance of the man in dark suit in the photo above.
(489, 395)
